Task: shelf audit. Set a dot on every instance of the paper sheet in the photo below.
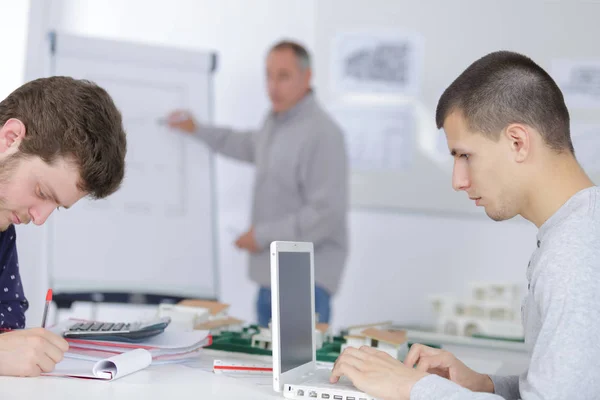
(377, 137)
(579, 81)
(376, 62)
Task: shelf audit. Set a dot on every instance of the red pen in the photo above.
(48, 300)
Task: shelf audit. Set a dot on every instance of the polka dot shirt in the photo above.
(12, 299)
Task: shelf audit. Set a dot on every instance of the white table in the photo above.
(483, 355)
(164, 382)
(193, 381)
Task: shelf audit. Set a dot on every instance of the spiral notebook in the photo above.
(107, 369)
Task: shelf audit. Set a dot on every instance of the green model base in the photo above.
(241, 342)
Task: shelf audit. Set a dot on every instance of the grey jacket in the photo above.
(301, 187)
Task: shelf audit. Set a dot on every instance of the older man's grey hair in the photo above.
(299, 50)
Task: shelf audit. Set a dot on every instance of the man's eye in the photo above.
(41, 194)
(465, 156)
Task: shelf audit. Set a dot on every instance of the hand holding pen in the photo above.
(29, 352)
(181, 120)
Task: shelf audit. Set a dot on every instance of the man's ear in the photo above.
(519, 139)
(307, 76)
(11, 135)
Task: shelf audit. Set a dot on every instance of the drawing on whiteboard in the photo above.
(377, 138)
(579, 81)
(377, 62)
(155, 163)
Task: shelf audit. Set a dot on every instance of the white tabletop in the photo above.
(164, 382)
(195, 381)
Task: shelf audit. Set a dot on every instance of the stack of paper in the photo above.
(109, 360)
(105, 369)
(169, 346)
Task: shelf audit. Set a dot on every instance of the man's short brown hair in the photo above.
(502, 88)
(299, 51)
(73, 119)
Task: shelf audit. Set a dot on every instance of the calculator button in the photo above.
(76, 326)
(96, 326)
(85, 326)
(107, 326)
(118, 327)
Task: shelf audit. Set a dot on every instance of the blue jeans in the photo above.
(263, 305)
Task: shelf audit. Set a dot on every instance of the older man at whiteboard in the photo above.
(301, 187)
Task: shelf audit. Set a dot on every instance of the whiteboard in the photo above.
(156, 235)
(452, 35)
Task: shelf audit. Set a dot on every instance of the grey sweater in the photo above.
(301, 185)
(561, 314)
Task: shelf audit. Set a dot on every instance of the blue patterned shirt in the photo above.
(12, 299)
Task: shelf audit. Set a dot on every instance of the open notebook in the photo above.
(107, 369)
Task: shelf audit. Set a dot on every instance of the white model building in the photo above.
(218, 326)
(263, 339)
(201, 315)
(392, 342)
(358, 329)
(322, 334)
(215, 309)
(491, 309)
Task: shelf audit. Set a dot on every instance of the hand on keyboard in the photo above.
(376, 373)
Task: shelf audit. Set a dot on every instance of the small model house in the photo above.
(263, 339)
(357, 329)
(216, 310)
(211, 316)
(491, 309)
(390, 341)
(322, 334)
(217, 326)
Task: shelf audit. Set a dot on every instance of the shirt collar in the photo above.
(303, 104)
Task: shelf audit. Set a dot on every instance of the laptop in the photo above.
(295, 369)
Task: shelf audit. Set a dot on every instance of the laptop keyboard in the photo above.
(321, 378)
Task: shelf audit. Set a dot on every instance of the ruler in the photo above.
(221, 367)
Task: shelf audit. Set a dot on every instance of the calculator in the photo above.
(117, 331)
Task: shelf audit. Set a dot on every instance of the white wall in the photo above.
(398, 259)
(14, 29)
(13, 26)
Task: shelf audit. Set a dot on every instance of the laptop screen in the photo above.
(295, 319)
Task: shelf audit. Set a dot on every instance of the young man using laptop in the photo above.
(507, 127)
(60, 139)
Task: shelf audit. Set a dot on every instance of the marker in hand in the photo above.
(48, 301)
(180, 120)
(173, 118)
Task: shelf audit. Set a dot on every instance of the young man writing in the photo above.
(60, 139)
